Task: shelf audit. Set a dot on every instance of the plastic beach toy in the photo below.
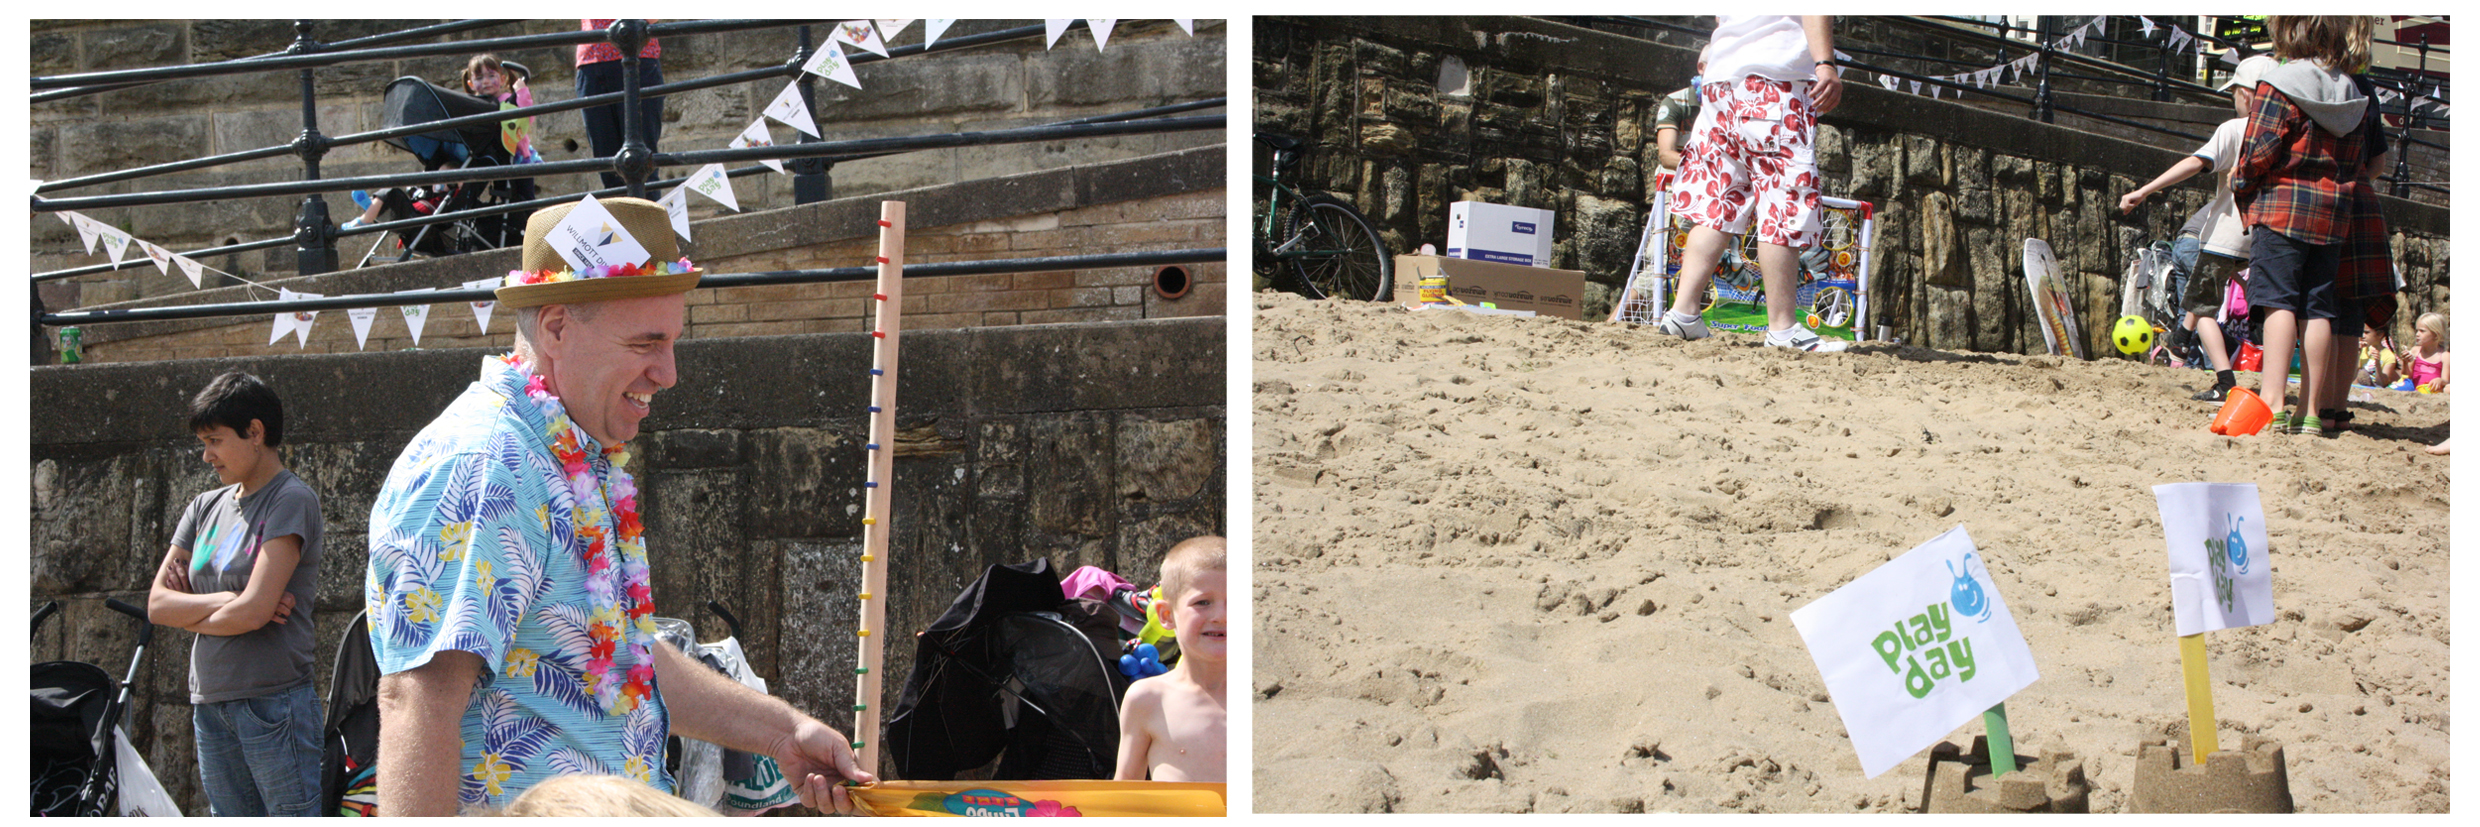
(2243, 414)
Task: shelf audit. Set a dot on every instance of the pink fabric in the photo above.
(1752, 157)
(2424, 371)
(1088, 581)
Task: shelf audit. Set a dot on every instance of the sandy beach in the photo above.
(1536, 565)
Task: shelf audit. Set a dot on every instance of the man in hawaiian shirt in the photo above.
(508, 592)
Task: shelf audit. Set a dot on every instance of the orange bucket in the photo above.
(2243, 414)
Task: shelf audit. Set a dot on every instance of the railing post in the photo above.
(635, 161)
(2161, 75)
(41, 348)
(2041, 110)
(810, 183)
(314, 236)
(2411, 120)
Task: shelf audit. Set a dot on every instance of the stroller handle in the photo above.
(146, 628)
(43, 613)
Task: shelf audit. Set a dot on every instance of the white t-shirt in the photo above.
(2220, 229)
(1767, 46)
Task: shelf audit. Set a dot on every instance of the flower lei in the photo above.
(606, 578)
(668, 268)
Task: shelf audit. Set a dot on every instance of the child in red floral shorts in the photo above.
(1752, 160)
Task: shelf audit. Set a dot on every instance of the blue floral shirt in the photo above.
(474, 547)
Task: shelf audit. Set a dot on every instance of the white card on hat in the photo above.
(590, 237)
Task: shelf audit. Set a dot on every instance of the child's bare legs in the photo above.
(1781, 266)
(2209, 335)
(2342, 365)
(2314, 363)
(1696, 268)
(2281, 331)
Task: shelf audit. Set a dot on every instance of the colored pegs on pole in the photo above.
(863, 632)
(879, 296)
(878, 334)
(865, 595)
(873, 409)
(873, 446)
(867, 558)
(877, 372)
(882, 259)
(869, 521)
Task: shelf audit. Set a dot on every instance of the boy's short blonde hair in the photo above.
(599, 796)
(1182, 564)
(2341, 42)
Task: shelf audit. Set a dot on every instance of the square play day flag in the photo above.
(591, 237)
(2221, 573)
(1915, 648)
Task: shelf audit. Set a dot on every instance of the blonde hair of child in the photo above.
(1182, 564)
(2435, 323)
(600, 796)
(2341, 42)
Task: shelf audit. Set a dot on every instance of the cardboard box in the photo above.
(1509, 286)
(1495, 232)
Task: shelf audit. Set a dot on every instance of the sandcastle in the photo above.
(1960, 782)
(2255, 779)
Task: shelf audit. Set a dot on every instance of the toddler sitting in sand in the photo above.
(1171, 725)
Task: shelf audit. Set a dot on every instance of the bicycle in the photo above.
(1325, 248)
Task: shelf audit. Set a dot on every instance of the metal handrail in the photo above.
(752, 279)
(331, 58)
(354, 43)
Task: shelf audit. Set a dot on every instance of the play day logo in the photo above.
(987, 802)
(2229, 558)
(2221, 568)
(1925, 648)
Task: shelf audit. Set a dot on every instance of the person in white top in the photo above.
(2215, 228)
(1752, 161)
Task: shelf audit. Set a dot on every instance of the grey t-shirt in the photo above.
(223, 531)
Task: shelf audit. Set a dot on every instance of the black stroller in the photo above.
(1014, 672)
(77, 709)
(348, 769)
(412, 100)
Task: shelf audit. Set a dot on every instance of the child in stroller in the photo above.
(494, 84)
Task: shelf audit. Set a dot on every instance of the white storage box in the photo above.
(1495, 232)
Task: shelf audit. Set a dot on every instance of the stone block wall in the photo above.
(1172, 201)
(1014, 84)
(1405, 115)
(1088, 444)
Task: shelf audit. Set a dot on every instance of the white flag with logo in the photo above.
(1102, 30)
(932, 28)
(757, 135)
(1889, 81)
(85, 228)
(296, 322)
(161, 256)
(1915, 648)
(482, 308)
(2221, 572)
(416, 315)
(861, 33)
(115, 242)
(889, 28)
(189, 267)
(590, 237)
(794, 112)
(710, 181)
(284, 320)
(362, 317)
(1052, 28)
(676, 205)
(829, 62)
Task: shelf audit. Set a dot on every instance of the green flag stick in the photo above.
(2001, 742)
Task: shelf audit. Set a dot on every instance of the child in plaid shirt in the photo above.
(2299, 185)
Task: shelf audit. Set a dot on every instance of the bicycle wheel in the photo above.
(1336, 252)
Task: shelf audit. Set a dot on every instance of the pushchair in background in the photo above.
(1014, 672)
(412, 100)
(82, 762)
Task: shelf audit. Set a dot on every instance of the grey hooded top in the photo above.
(2324, 95)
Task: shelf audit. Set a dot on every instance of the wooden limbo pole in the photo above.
(877, 484)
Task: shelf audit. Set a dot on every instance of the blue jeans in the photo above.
(260, 756)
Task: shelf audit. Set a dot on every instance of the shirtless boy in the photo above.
(1171, 725)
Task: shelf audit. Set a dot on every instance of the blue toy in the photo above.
(1143, 663)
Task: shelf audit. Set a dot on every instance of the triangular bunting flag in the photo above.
(756, 135)
(1915, 87)
(284, 320)
(189, 267)
(861, 33)
(1102, 30)
(931, 28)
(1934, 89)
(85, 227)
(1189, 26)
(482, 309)
(710, 181)
(416, 315)
(829, 63)
(161, 256)
(676, 204)
(2147, 23)
(362, 317)
(303, 318)
(789, 108)
(1888, 81)
(2178, 38)
(114, 241)
(1052, 28)
(888, 29)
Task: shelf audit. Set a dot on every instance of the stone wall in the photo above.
(1171, 201)
(1558, 117)
(1019, 83)
(1088, 444)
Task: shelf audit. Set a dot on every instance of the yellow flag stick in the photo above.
(2200, 726)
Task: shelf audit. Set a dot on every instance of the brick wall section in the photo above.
(1559, 117)
(1165, 202)
(1014, 84)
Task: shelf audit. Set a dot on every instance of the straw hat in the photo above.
(645, 220)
